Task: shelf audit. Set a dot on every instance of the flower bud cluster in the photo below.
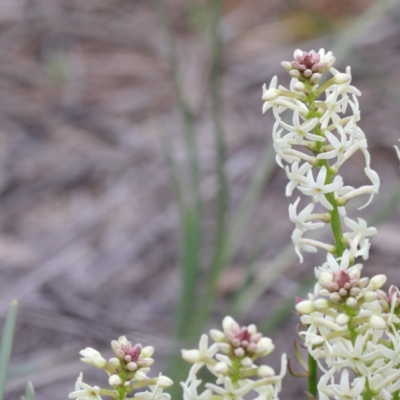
(308, 66)
(231, 359)
(355, 331)
(323, 135)
(127, 373)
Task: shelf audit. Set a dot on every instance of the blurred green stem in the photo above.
(6, 346)
(221, 230)
(312, 380)
(190, 199)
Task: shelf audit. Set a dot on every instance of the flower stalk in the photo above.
(351, 324)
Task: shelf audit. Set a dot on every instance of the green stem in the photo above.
(367, 395)
(336, 225)
(219, 258)
(334, 213)
(190, 199)
(396, 395)
(312, 376)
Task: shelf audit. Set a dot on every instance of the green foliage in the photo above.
(6, 346)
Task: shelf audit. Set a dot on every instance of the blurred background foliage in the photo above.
(138, 186)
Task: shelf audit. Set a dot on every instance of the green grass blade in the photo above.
(6, 346)
(218, 261)
(189, 194)
(30, 392)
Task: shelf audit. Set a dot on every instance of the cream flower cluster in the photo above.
(353, 327)
(127, 373)
(231, 359)
(323, 134)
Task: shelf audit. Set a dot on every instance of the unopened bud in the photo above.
(299, 87)
(217, 335)
(370, 296)
(377, 322)
(287, 65)
(335, 297)
(377, 281)
(265, 371)
(145, 362)
(351, 302)
(363, 282)
(265, 346)
(269, 95)
(342, 319)
(221, 368)
(239, 352)
(164, 381)
(294, 73)
(252, 329)
(127, 358)
(321, 304)
(315, 78)
(114, 380)
(114, 362)
(308, 73)
(132, 366)
(330, 61)
(305, 307)
(354, 291)
(140, 376)
(92, 357)
(191, 356)
(246, 362)
(224, 347)
(342, 78)
(147, 352)
(120, 354)
(228, 322)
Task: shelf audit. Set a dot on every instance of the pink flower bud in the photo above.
(127, 358)
(308, 73)
(239, 352)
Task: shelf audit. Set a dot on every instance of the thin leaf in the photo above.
(6, 346)
(30, 392)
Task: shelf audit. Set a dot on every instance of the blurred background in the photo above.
(138, 189)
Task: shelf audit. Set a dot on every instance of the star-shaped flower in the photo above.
(84, 391)
(302, 219)
(300, 131)
(318, 188)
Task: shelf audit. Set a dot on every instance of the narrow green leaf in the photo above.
(30, 392)
(6, 346)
